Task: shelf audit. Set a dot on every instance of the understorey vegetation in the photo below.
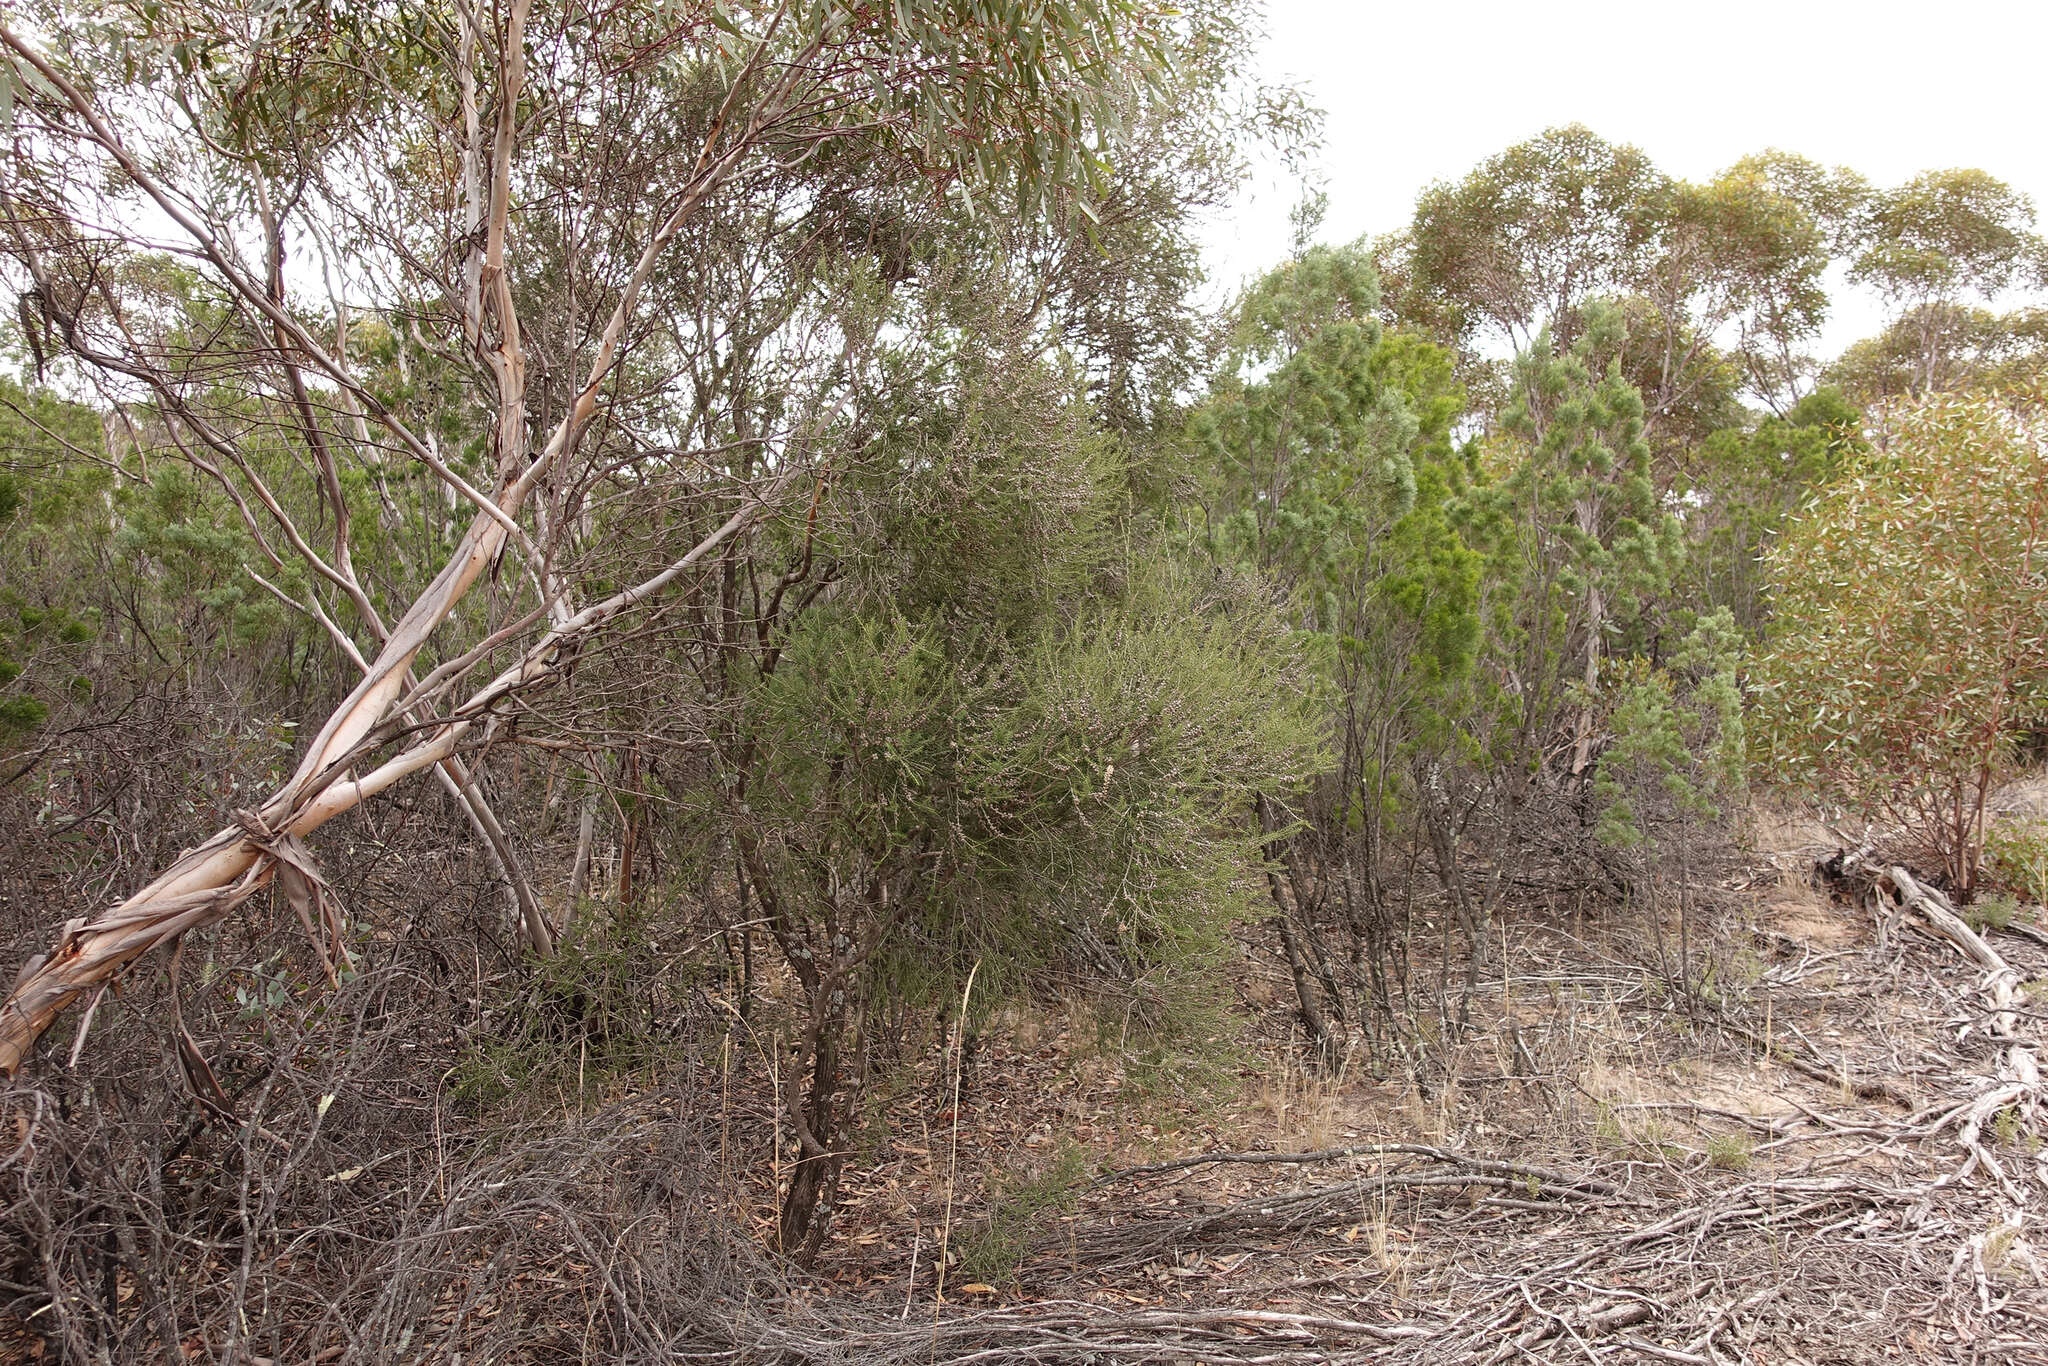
(668, 689)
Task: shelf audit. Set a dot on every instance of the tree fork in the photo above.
(206, 884)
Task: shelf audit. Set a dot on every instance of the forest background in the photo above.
(716, 556)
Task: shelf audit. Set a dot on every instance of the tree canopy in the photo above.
(550, 549)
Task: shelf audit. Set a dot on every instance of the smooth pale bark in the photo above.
(208, 883)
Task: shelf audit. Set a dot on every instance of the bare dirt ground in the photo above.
(1788, 1172)
(1828, 1152)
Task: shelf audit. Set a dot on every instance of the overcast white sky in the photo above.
(1416, 92)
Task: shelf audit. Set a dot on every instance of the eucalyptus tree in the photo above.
(1524, 240)
(1121, 279)
(1907, 656)
(413, 257)
(1733, 295)
(1722, 280)
(1795, 218)
(1938, 242)
(1945, 348)
(995, 379)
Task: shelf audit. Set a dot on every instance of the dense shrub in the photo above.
(1910, 644)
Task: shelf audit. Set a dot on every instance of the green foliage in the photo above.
(1023, 1206)
(1019, 735)
(2016, 851)
(1539, 233)
(1993, 911)
(1050, 75)
(47, 627)
(1325, 458)
(1082, 783)
(1677, 740)
(1530, 236)
(1945, 233)
(1909, 644)
(1304, 443)
(1597, 549)
(1929, 246)
(19, 714)
(1938, 347)
(1012, 740)
(1583, 480)
(1050, 647)
(1741, 483)
(1118, 772)
(1041, 88)
(581, 1018)
(1730, 1152)
(184, 540)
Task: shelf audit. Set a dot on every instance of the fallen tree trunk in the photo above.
(2017, 1084)
(2017, 1080)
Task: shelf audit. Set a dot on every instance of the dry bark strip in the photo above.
(2018, 1082)
(1547, 1176)
(1076, 1331)
(206, 884)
